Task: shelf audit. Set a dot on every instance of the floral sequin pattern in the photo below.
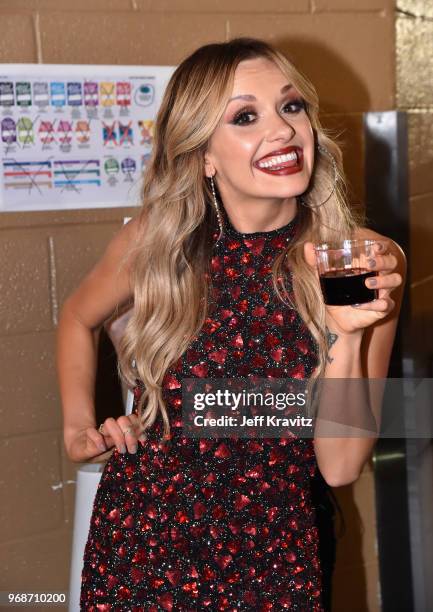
(215, 523)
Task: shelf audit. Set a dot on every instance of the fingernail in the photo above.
(102, 447)
(123, 449)
(371, 263)
(133, 449)
(372, 282)
(355, 305)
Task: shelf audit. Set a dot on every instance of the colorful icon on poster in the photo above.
(145, 94)
(41, 96)
(111, 166)
(82, 131)
(23, 93)
(90, 89)
(146, 127)
(128, 167)
(107, 93)
(26, 135)
(8, 131)
(75, 95)
(123, 93)
(65, 132)
(58, 94)
(7, 97)
(145, 159)
(125, 134)
(46, 132)
(109, 134)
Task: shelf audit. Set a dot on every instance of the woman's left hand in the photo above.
(352, 319)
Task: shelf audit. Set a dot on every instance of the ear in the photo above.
(209, 168)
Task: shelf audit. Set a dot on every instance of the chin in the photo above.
(288, 185)
(293, 192)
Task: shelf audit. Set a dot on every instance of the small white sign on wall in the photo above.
(76, 136)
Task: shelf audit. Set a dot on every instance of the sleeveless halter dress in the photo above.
(215, 524)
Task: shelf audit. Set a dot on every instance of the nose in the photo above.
(280, 128)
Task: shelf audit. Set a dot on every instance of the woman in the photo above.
(242, 182)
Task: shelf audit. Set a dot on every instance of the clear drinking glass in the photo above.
(343, 270)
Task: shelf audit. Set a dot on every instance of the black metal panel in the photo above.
(387, 208)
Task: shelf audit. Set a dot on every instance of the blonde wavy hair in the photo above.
(170, 271)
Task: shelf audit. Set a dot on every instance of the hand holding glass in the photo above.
(343, 269)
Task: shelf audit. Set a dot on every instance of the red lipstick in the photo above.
(281, 162)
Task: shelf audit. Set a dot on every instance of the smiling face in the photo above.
(263, 148)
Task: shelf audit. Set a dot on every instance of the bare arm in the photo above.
(104, 288)
(364, 353)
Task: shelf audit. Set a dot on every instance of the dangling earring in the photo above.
(325, 151)
(215, 201)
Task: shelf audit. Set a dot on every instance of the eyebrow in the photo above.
(251, 98)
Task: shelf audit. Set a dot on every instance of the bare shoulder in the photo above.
(392, 246)
(107, 286)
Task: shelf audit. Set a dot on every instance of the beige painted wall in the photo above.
(345, 46)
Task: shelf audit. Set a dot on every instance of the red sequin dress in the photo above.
(215, 524)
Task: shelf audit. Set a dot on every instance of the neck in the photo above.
(261, 217)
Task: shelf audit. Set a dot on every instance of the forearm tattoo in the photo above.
(331, 339)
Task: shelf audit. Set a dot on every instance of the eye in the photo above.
(244, 116)
(295, 106)
(247, 115)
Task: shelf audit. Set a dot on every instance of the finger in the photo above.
(382, 262)
(136, 423)
(129, 428)
(381, 305)
(112, 428)
(380, 246)
(96, 438)
(384, 281)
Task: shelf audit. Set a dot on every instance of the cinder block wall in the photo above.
(345, 46)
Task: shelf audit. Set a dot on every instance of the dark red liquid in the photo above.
(347, 286)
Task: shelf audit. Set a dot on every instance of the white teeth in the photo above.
(278, 159)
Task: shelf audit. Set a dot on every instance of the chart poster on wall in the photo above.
(76, 136)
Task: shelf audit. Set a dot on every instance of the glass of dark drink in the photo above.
(343, 271)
